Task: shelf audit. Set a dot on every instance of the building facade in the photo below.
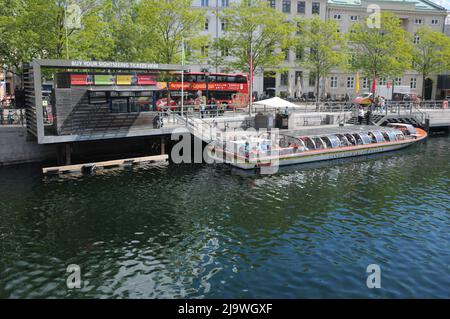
(413, 13)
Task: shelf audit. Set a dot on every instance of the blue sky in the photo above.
(443, 3)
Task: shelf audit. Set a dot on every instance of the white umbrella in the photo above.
(277, 102)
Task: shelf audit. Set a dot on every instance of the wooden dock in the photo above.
(90, 167)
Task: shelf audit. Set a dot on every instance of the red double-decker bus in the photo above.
(228, 91)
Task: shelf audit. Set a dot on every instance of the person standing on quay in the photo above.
(360, 115)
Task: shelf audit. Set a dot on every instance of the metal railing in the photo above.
(12, 117)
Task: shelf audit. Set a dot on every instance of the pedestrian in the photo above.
(382, 103)
(369, 116)
(360, 115)
(1, 114)
(202, 110)
(213, 107)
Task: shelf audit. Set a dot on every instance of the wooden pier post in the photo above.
(163, 145)
(68, 153)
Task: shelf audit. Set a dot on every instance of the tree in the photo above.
(37, 29)
(380, 51)
(163, 24)
(254, 29)
(431, 53)
(325, 47)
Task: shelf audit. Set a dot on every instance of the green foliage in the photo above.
(252, 26)
(36, 29)
(162, 26)
(323, 46)
(432, 54)
(384, 51)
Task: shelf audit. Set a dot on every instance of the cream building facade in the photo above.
(414, 14)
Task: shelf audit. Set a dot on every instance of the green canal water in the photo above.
(208, 232)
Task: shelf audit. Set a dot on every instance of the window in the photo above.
(434, 21)
(298, 53)
(312, 79)
(337, 16)
(224, 26)
(350, 82)
(272, 4)
(338, 29)
(416, 39)
(119, 105)
(398, 81)
(140, 104)
(354, 18)
(365, 83)
(205, 50)
(418, 21)
(382, 81)
(301, 6)
(206, 24)
(315, 9)
(225, 3)
(284, 78)
(413, 83)
(333, 82)
(286, 54)
(352, 59)
(286, 6)
(97, 97)
(298, 77)
(225, 51)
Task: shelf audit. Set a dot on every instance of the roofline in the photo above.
(77, 64)
(434, 5)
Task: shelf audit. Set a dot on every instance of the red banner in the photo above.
(213, 86)
(146, 80)
(81, 79)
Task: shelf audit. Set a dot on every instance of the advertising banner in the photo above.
(124, 79)
(81, 79)
(105, 79)
(144, 79)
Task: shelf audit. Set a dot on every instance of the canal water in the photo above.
(209, 232)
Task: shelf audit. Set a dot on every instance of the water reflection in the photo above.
(203, 231)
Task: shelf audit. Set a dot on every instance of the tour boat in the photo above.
(263, 149)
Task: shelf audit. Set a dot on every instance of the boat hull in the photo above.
(319, 157)
(313, 156)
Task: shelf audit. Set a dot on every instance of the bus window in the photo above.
(201, 78)
(241, 79)
(190, 78)
(221, 78)
(212, 78)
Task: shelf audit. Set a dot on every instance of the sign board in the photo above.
(81, 79)
(115, 65)
(101, 79)
(124, 79)
(144, 79)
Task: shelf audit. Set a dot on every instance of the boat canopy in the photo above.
(378, 136)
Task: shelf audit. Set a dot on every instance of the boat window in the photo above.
(365, 138)
(320, 145)
(351, 139)
(309, 143)
(392, 137)
(343, 140)
(358, 139)
(327, 141)
(400, 136)
(334, 140)
(377, 137)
